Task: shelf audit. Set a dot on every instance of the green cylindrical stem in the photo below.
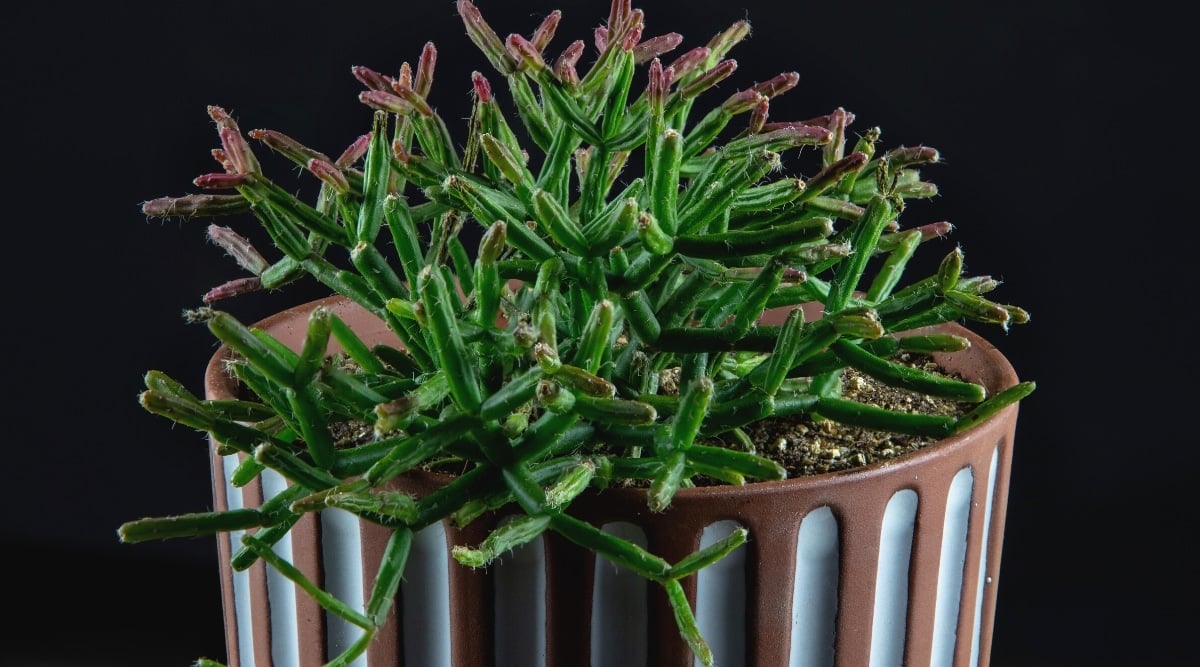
(664, 180)
(409, 451)
(295, 211)
(557, 222)
(517, 392)
(783, 357)
(693, 407)
(909, 299)
(525, 488)
(645, 270)
(238, 337)
(398, 360)
(555, 173)
(321, 597)
(346, 283)
(421, 171)
(243, 558)
(387, 579)
(641, 317)
(618, 95)
(271, 394)
(294, 468)
(698, 560)
(686, 622)
(593, 175)
(750, 465)
(555, 398)
(596, 336)
(705, 131)
(567, 108)
(350, 390)
(836, 207)
(247, 471)
(551, 433)
(581, 381)
(488, 209)
(614, 410)
(313, 422)
(460, 265)
(377, 272)
(881, 419)
(510, 164)
(994, 405)
(355, 650)
(893, 267)
(187, 412)
(950, 270)
(615, 221)
(666, 481)
(239, 410)
(507, 537)
(487, 275)
(388, 504)
(483, 479)
(934, 343)
(354, 346)
(189, 525)
(750, 406)
(864, 234)
(938, 314)
(615, 549)
(454, 357)
(288, 236)
(977, 308)
(435, 139)
(675, 310)
(653, 237)
(898, 375)
(377, 173)
(572, 483)
(769, 197)
(404, 236)
(751, 309)
(282, 272)
(530, 111)
(833, 174)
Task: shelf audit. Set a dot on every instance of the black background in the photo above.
(1062, 172)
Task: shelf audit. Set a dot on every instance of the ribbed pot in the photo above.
(891, 564)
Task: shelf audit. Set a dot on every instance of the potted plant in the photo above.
(677, 403)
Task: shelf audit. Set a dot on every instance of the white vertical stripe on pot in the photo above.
(241, 580)
(950, 568)
(619, 607)
(342, 567)
(281, 592)
(891, 580)
(520, 605)
(425, 599)
(984, 580)
(814, 596)
(721, 598)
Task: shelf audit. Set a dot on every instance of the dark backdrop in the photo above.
(1056, 123)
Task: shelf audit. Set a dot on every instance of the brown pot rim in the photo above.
(219, 385)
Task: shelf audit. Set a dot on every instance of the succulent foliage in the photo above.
(627, 235)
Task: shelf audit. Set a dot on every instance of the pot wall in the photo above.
(896, 563)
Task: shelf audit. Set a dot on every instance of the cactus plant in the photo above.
(625, 234)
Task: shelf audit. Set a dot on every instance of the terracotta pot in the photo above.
(895, 563)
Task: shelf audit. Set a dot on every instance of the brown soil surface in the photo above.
(805, 446)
